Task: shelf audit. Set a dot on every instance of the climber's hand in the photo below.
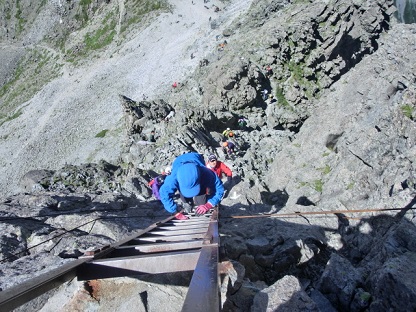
(180, 216)
(203, 209)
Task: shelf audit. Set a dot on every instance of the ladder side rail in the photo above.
(15, 296)
(204, 290)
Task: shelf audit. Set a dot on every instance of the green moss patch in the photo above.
(101, 134)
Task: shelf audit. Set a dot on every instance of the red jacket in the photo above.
(220, 168)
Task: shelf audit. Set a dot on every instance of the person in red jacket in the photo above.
(219, 167)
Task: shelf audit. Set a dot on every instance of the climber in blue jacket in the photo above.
(196, 184)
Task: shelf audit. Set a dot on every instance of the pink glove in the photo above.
(180, 216)
(203, 209)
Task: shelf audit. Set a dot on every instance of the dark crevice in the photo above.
(92, 288)
(385, 25)
(391, 190)
(364, 162)
(404, 184)
(143, 297)
(296, 128)
(278, 198)
(316, 33)
(88, 288)
(332, 140)
(279, 127)
(304, 201)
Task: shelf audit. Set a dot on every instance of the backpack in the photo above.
(151, 182)
(158, 180)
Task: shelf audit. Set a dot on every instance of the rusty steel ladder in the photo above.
(164, 247)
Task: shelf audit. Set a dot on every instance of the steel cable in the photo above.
(274, 215)
(325, 212)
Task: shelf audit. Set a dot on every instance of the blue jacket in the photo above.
(208, 179)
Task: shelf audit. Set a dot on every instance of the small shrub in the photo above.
(408, 111)
(325, 170)
(365, 296)
(318, 185)
(101, 38)
(14, 116)
(281, 98)
(101, 134)
(302, 184)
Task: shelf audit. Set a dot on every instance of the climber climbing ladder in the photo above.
(164, 247)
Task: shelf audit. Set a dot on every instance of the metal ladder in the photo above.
(167, 246)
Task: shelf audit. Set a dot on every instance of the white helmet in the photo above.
(168, 170)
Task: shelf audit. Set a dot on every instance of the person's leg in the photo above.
(184, 199)
(187, 203)
(200, 200)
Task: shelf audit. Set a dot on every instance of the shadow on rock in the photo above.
(357, 267)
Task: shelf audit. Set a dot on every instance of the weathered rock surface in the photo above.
(338, 136)
(285, 295)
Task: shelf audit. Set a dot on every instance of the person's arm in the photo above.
(167, 191)
(227, 171)
(215, 184)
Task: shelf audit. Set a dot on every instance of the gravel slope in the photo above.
(59, 124)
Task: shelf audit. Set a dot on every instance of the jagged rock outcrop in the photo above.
(308, 50)
(144, 117)
(287, 294)
(363, 114)
(339, 282)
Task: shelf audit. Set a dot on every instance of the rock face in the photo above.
(286, 294)
(363, 143)
(319, 214)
